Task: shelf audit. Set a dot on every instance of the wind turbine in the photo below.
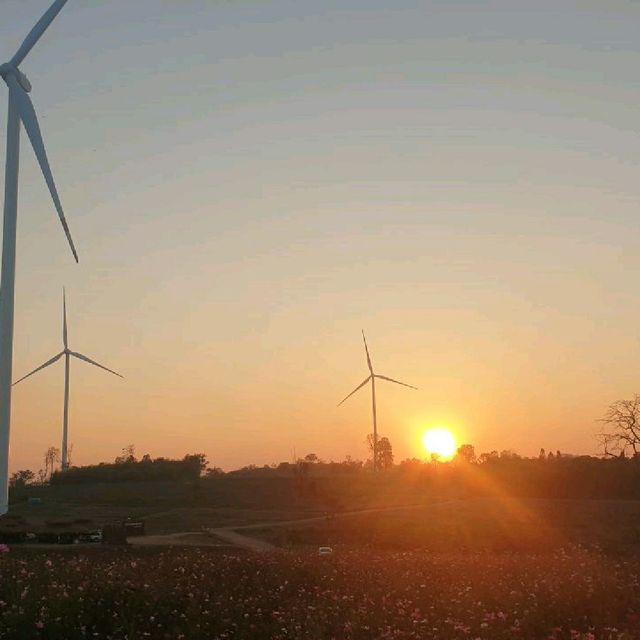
(372, 378)
(20, 109)
(67, 353)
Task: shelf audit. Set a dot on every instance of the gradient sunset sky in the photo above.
(250, 183)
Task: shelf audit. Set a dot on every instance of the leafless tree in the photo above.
(622, 433)
(51, 456)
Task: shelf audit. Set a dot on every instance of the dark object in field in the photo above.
(114, 534)
(118, 533)
(12, 529)
(91, 537)
(16, 529)
(12, 537)
(134, 528)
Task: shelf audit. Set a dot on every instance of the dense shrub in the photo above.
(189, 468)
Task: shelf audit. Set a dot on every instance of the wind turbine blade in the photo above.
(404, 384)
(64, 318)
(36, 33)
(42, 366)
(367, 350)
(356, 389)
(30, 121)
(90, 361)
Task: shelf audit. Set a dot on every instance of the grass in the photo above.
(477, 524)
(183, 506)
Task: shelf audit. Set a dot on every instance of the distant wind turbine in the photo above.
(372, 378)
(67, 353)
(20, 109)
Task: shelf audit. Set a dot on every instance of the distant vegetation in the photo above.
(147, 469)
(552, 475)
(334, 486)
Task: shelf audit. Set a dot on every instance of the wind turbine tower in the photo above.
(372, 379)
(20, 110)
(68, 354)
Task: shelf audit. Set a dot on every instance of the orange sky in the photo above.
(251, 184)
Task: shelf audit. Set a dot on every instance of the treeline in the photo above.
(546, 476)
(561, 477)
(128, 469)
(508, 474)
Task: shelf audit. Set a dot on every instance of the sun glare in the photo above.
(440, 443)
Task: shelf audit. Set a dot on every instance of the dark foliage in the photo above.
(130, 470)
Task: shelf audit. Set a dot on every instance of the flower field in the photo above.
(198, 593)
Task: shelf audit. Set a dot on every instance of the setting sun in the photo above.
(439, 442)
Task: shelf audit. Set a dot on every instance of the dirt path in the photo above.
(333, 516)
(246, 542)
(234, 534)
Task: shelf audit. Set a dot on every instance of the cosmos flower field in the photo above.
(200, 593)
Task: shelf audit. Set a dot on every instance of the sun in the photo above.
(439, 442)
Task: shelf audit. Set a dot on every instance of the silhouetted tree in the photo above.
(311, 458)
(385, 452)
(411, 463)
(128, 455)
(623, 428)
(351, 465)
(216, 472)
(196, 463)
(21, 479)
(190, 468)
(51, 456)
(302, 468)
(467, 453)
(488, 457)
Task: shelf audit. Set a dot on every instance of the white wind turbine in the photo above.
(67, 353)
(20, 109)
(372, 378)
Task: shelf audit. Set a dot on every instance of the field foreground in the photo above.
(203, 593)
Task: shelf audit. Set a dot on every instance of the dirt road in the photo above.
(235, 535)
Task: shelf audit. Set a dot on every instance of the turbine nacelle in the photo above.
(8, 69)
(66, 352)
(372, 375)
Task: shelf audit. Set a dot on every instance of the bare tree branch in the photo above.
(623, 434)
